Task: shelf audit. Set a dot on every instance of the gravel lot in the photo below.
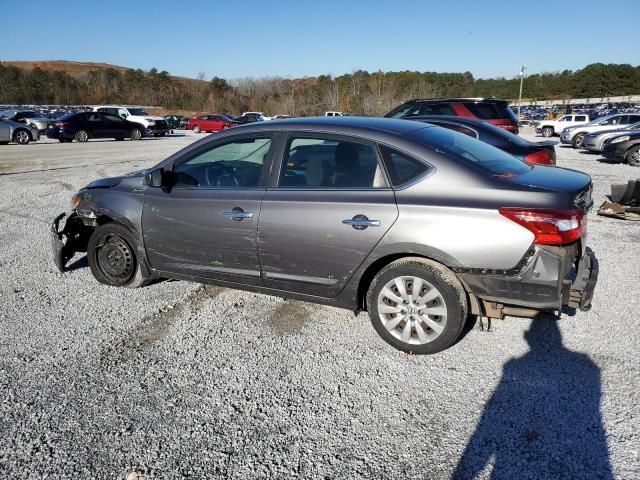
(180, 380)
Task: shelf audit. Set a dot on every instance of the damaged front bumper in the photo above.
(68, 239)
(553, 279)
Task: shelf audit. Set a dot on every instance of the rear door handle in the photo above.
(238, 214)
(360, 222)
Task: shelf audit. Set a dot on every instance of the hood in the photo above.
(109, 182)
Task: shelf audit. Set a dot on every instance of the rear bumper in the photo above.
(553, 279)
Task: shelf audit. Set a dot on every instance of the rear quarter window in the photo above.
(401, 167)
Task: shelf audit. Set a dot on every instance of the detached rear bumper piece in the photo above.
(581, 292)
(69, 239)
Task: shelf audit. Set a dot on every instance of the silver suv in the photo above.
(418, 225)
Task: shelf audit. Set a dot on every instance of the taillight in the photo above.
(60, 124)
(549, 226)
(541, 157)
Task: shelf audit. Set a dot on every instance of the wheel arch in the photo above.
(364, 281)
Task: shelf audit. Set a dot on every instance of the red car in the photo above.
(488, 109)
(209, 122)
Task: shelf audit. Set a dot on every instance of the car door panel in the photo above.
(306, 237)
(206, 224)
(187, 231)
(5, 132)
(304, 244)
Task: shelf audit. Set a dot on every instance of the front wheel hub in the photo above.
(116, 260)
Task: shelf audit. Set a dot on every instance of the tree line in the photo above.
(361, 92)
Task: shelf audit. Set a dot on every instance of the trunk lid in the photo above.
(577, 184)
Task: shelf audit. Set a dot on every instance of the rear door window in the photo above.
(401, 167)
(580, 118)
(324, 162)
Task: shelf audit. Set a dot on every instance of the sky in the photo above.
(288, 38)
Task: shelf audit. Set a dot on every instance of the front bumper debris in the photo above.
(69, 239)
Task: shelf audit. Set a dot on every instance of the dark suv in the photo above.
(491, 110)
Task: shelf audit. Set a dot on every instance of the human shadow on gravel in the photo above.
(543, 420)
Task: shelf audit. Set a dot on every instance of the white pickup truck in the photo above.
(549, 128)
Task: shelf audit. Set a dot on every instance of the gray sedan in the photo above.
(419, 225)
(17, 132)
(29, 117)
(594, 142)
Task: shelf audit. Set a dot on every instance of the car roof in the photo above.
(458, 99)
(340, 124)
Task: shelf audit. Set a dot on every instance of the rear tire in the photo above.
(547, 132)
(633, 156)
(425, 321)
(81, 136)
(577, 141)
(22, 137)
(113, 259)
(196, 129)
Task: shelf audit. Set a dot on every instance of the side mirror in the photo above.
(155, 178)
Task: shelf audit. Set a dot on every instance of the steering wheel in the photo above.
(221, 175)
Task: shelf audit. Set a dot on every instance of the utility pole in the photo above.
(524, 67)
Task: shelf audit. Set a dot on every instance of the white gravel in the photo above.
(179, 380)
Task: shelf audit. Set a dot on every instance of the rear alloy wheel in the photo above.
(417, 306)
(196, 129)
(633, 156)
(578, 140)
(112, 257)
(136, 134)
(22, 137)
(547, 132)
(81, 136)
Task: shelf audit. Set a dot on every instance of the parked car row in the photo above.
(593, 110)
(575, 135)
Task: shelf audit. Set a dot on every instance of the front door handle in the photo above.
(360, 222)
(238, 214)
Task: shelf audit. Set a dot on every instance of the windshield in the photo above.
(601, 120)
(137, 111)
(469, 150)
